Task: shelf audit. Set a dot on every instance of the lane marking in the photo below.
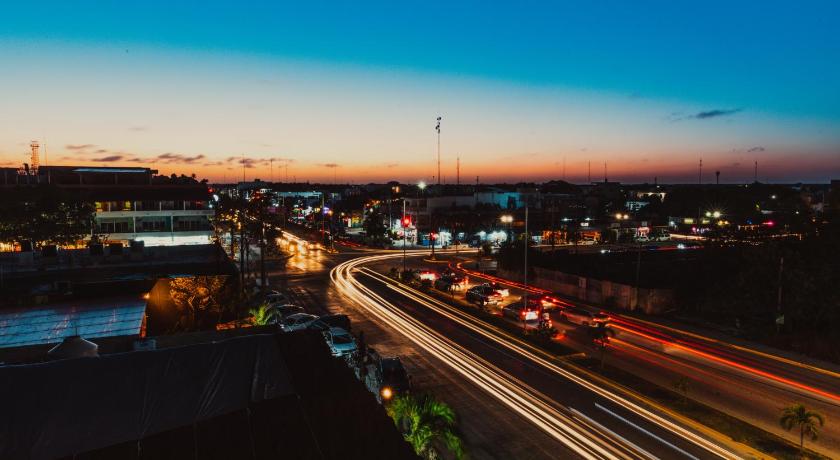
(652, 435)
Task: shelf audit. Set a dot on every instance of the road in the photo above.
(750, 384)
(585, 418)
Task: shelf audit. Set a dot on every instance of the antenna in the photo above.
(271, 166)
(755, 174)
(437, 128)
(700, 173)
(458, 171)
(589, 176)
(605, 172)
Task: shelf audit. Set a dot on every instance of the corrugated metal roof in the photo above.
(89, 319)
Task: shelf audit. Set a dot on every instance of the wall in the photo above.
(598, 292)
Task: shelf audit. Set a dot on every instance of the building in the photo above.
(132, 204)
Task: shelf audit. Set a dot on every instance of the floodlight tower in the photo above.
(34, 146)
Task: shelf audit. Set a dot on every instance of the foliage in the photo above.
(809, 422)
(601, 338)
(44, 215)
(426, 423)
(264, 315)
(199, 301)
(374, 226)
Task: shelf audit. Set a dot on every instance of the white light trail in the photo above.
(343, 278)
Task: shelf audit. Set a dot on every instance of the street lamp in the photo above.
(508, 219)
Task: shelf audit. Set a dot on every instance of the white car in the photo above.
(341, 343)
(297, 322)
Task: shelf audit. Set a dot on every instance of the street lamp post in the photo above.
(525, 275)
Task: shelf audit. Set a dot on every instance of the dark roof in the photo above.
(248, 397)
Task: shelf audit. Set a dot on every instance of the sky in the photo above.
(350, 91)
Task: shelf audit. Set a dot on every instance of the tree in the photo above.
(198, 300)
(44, 214)
(808, 421)
(426, 423)
(374, 227)
(264, 315)
(601, 338)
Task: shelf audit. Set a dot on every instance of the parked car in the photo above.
(325, 322)
(341, 343)
(285, 310)
(520, 312)
(583, 317)
(483, 295)
(276, 297)
(393, 377)
(297, 322)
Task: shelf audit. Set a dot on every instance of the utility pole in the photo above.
(525, 275)
(437, 128)
(779, 316)
(405, 234)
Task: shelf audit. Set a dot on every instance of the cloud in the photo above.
(756, 149)
(138, 128)
(79, 146)
(108, 159)
(392, 165)
(178, 158)
(704, 115)
(329, 165)
(101, 151)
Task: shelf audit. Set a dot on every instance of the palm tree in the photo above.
(808, 421)
(424, 422)
(601, 337)
(263, 315)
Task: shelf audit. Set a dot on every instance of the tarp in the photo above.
(59, 408)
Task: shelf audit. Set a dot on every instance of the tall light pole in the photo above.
(527, 237)
(437, 128)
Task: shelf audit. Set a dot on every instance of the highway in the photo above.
(588, 419)
(750, 384)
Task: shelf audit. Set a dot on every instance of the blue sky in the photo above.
(633, 83)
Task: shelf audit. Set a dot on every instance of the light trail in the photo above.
(833, 398)
(630, 326)
(345, 281)
(500, 385)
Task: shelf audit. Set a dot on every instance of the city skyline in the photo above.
(353, 93)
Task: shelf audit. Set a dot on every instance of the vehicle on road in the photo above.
(503, 291)
(546, 301)
(583, 317)
(297, 322)
(451, 283)
(341, 343)
(427, 275)
(483, 295)
(325, 322)
(520, 312)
